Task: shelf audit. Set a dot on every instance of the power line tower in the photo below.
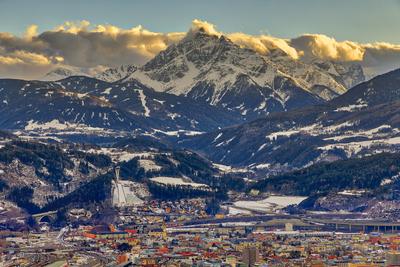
(117, 171)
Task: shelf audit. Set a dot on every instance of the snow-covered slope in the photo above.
(327, 79)
(347, 74)
(116, 74)
(363, 121)
(215, 70)
(63, 72)
(87, 104)
(108, 75)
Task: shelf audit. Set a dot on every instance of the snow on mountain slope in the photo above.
(347, 74)
(200, 57)
(327, 79)
(62, 73)
(363, 121)
(116, 74)
(87, 104)
(108, 75)
(215, 70)
(379, 90)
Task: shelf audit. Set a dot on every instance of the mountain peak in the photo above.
(381, 89)
(206, 65)
(118, 73)
(197, 34)
(62, 72)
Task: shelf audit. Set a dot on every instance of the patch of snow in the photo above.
(118, 155)
(353, 148)
(261, 106)
(261, 147)
(144, 102)
(336, 127)
(351, 192)
(173, 115)
(107, 91)
(375, 132)
(386, 181)
(224, 143)
(263, 166)
(217, 137)
(177, 181)
(269, 204)
(351, 108)
(237, 211)
(179, 132)
(275, 135)
(285, 201)
(222, 167)
(159, 101)
(149, 165)
(57, 125)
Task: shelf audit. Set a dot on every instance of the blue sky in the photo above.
(357, 20)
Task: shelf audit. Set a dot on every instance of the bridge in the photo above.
(48, 216)
(306, 223)
(358, 225)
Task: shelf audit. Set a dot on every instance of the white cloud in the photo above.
(81, 45)
(322, 46)
(264, 43)
(206, 26)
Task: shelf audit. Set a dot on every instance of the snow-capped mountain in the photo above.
(63, 72)
(347, 74)
(213, 69)
(203, 83)
(324, 78)
(87, 104)
(116, 74)
(108, 75)
(382, 89)
(363, 121)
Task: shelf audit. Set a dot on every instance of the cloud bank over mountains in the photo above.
(100, 46)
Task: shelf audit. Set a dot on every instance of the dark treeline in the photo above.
(95, 191)
(50, 161)
(360, 173)
(183, 163)
(141, 143)
(174, 192)
(22, 196)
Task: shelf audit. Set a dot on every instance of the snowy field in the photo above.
(269, 204)
(176, 181)
(178, 132)
(119, 155)
(149, 165)
(57, 125)
(226, 168)
(237, 211)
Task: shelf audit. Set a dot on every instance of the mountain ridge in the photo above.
(351, 125)
(206, 67)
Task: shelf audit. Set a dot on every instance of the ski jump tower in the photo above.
(118, 193)
(117, 170)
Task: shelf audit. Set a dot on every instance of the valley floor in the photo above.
(177, 232)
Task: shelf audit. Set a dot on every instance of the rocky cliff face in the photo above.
(212, 69)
